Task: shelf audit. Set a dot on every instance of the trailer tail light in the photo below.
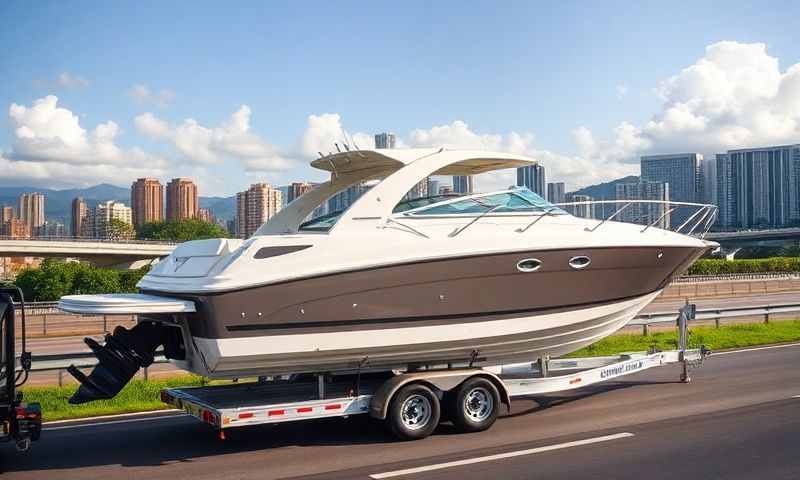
(25, 413)
(245, 415)
(209, 417)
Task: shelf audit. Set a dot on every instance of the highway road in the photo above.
(738, 419)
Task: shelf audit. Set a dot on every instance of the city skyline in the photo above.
(67, 122)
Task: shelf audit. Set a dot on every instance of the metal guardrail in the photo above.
(59, 362)
(736, 276)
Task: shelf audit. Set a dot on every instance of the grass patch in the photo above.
(727, 336)
(140, 396)
(137, 396)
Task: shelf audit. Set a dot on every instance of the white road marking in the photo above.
(114, 422)
(499, 456)
(796, 396)
(717, 354)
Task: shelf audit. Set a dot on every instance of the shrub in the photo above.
(706, 266)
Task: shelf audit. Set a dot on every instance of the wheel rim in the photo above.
(478, 404)
(416, 412)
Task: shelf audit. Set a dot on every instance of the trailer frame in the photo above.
(305, 397)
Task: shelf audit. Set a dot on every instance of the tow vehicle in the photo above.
(412, 403)
(20, 422)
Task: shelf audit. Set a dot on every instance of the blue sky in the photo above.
(547, 72)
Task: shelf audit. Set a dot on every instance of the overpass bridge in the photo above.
(103, 253)
(750, 236)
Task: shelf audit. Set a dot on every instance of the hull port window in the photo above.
(579, 262)
(529, 265)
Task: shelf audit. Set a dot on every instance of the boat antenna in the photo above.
(321, 155)
(337, 147)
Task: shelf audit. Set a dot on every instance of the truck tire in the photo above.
(474, 405)
(413, 412)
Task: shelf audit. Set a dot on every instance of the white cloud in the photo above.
(734, 96)
(69, 80)
(590, 166)
(49, 143)
(233, 139)
(322, 131)
(622, 90)
(142, 94)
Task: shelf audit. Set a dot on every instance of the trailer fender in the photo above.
(440, 381)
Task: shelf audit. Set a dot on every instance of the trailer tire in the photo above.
(414, 412)
(474, 405)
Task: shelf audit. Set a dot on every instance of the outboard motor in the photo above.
(125, 352)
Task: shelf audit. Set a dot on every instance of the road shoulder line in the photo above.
(500, 456)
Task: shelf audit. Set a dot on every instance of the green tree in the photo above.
(119, 230)
(56, 278)
(181, 231)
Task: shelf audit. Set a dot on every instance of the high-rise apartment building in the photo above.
(6, 214)
(346, 197)
(79, 213)
(581, 211)
(656, 214)
(147, 201)
(298, 189)
(683, 173)
(385, 140)
(433, 186)
(15, 228)
(556, 192)
(205, 215)
(104, 213)
(182, 200)
(759, 187)
(463, 184)
(31, 211)
(255, 206)
(533, 177)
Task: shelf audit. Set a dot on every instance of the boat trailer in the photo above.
(413, 403)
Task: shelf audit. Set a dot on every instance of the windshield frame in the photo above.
(537, 210)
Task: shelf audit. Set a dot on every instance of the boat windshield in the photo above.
(515, 200)
(323, 223)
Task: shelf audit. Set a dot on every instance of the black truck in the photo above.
(19, 421)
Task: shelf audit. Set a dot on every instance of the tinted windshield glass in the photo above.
(517, 200)
(325, 222)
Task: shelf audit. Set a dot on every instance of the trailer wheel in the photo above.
(413, 412)
(474, 405)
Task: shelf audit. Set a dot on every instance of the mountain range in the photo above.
(57, 203)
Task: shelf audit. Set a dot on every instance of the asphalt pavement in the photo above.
(739, 418)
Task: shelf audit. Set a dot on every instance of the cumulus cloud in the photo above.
(143, 95)
(590, 166)
(734, 96)
(203, 145)
(49, 142)
(322, 131)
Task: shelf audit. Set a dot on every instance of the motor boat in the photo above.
(393, 282)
